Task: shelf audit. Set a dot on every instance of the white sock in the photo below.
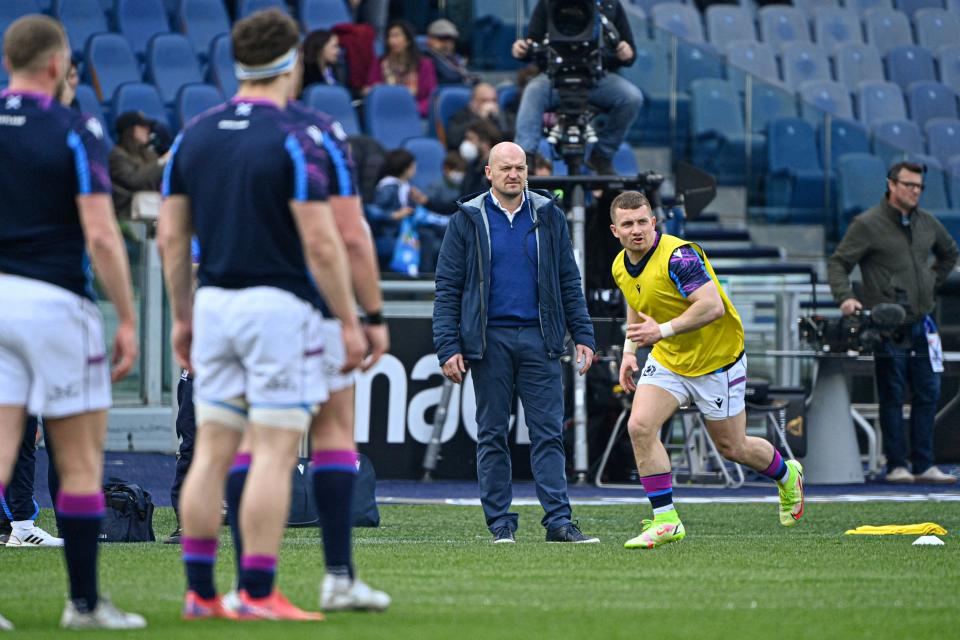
(665, 509)
(21, 526)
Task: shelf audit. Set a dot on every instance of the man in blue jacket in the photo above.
(508, 291)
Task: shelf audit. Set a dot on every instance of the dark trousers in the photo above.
(187, 432)
(19, 500)
(895, 368)
(516, 360)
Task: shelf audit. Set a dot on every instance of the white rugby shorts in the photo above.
(718, 395)
(333, 356)
(52, 355)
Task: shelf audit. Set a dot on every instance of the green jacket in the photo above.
(897, 262)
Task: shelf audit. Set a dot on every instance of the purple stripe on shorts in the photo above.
(199, 547)
(657, 482)
(80, 506)
(259, 563)
(97, 359)
(322, 459)
(313, 352)
(737, 381)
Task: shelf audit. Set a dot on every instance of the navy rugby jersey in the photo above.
(50, 154)
(342, 171)
(241, 164)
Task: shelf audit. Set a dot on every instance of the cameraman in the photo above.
(612, 93)
(134, 164)
(892, 242)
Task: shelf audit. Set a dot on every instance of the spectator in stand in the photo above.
(483, 105)
(441, 47)
(475, 149)
(321, 60)
(403, 65)
(67, 92)
(443, 194)
(134, 165)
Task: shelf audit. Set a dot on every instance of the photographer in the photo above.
(892, 243)
(612, 93)
(134, 164)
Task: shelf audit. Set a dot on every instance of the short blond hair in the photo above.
(30, 40)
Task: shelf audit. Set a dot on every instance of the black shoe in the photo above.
(503, 535)
(601, 165)
(569, 533)
(174, 538)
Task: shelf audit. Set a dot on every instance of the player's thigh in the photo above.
(79, 442)
(660, 392)
(333, 427)
(11, 433)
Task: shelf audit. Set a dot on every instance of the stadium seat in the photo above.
(943, 142)
(862, 6)
(140, 20)
(769, 103)
(636, 17)
(81, 19)
(855, 63)
(726, 23)
(833, 27)
(812, 7)
(221, 65)
(194, 99)
(756, 58)
(953, 174)
(138, 96)
(948, 61)
(887, 29)
(911, 7)
(506, 95)
(804, 62)
(625, 161)
(936, 28)
(448, 100)
(651, 72)
(893, 138)
(846, 136)
(429, 153)
(679, 19)
(323, 14)
(794, 179)
(10, 10)
(719, 138)
(861, 180)
(695, 61)
(934, 198)
(908, 64)
(780, 25)
(390, 115)
(202, 21)
(246, 7)
(820, 97)
(878, 101)
(928, 100)
(171, 64)
(110, 62)
(90, 104)
(335, 102)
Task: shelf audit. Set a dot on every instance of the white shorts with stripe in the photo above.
(333, 356)
(52, 355)
(718, 395)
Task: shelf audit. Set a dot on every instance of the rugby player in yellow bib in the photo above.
(676, 306)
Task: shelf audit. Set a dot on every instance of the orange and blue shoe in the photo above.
(197, 608)
(273, 607)
(791, 495)
(663, 529)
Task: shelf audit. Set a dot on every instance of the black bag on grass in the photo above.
(128, 515)
(303, 508)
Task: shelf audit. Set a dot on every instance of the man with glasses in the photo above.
(892, 243)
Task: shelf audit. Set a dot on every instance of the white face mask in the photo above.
(455, 177)
(468, 151)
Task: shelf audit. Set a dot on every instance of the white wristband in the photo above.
(629, 346)
(666, 329)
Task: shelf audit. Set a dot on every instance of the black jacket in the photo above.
(537, 30)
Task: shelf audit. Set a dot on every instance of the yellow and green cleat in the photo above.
(791, 495)
(663, 529)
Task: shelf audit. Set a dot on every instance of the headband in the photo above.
(284, 63)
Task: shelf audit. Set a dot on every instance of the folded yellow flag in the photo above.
(923, 529)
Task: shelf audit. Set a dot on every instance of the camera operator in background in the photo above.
(134, 164)
(612, 93)
(892, 243)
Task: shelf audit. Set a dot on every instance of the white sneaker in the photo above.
(105, 616)
(340, 593)
(899, 475)
(231, 600)
(933, 475)
(26, 534)
(5, 625)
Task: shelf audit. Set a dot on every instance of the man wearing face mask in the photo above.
(134, 165)
(444, 192)
(483, 105)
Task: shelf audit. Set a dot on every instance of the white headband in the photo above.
(284, 63)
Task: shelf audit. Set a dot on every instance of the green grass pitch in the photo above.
(737, 575)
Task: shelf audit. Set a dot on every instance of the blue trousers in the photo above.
(895, 368)
(20, 503)
(516, 360)
(187, 432)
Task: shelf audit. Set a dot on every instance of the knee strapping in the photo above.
(230, 413)
(294, 417)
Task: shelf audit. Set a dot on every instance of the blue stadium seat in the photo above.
(953, 173)
(911, 7)
(507, 94)
(834, 27)
(636, 17)
(887, 29)
(221, 65)
(908, 64)
(928, 100)
(719, 139)
(856, 63)
(769, 103)
(878, 101)
(695, 61)
(936, 28)
(756, 58)
(333, 100)
(323, 14)
(943, 142)
(202, 21)
(194, 99)
(429, 153)
(246, 7)
(726, 23)
(948, 61)
(862, 6)
(794, 179)
(138, 96)
(90, 104)
(448, 100)
(781, 25)
(651, 73)
(110, 62)
(893, 138)
(390, 115)
(934, 198)
(679, 19)
(171, 64)
(492, 38)
(625, 161)
(4, 77)
(140, 20)
(81, 19)
(861, 180)
(804, 62)
(812, 7)
(10, 10)
(824, 96)
(846, 136)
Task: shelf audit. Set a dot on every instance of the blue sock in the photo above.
(235, 482)
(81, 516)
(334, 474)
(199, 556)
(258, 574)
